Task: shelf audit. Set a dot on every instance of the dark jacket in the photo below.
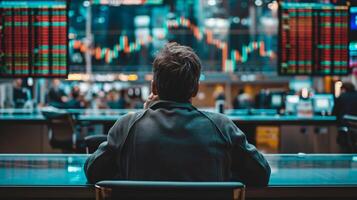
(176, 142)
(346, 104)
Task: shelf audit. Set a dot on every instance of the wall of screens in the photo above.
(33, 38)
(314, 38)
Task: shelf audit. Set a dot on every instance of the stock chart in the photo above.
(228, 35)
(33, 38)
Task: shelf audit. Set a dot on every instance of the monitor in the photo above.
(291, 103)
(276, 100)
(313, 37)
(33, 38)
(323, 103)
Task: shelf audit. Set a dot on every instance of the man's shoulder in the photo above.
(131, 117)
(122, 126)
(218, 118)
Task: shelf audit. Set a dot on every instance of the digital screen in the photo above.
(291, 103)
(276, 100)
(33, 38)
(314, 38)
(353, 37)
(293, 99)
(323, 102)
(124, 36)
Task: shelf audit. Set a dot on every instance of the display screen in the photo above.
(353, 37)
(323, 102)
(314, 38)
(293, 99)
(33, 38)
(276, 100)
(124, 36)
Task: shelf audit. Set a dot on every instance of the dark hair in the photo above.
(177, 71)
(75, 92)
(349, 87)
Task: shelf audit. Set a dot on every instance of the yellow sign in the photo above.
(267, 138)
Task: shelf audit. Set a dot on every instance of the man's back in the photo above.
(175, 141)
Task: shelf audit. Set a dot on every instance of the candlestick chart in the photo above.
(126, 38)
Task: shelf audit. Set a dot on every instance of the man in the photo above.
(56, 96)
(75, 101)
(21, 94)
(345, 104)
(171, 140)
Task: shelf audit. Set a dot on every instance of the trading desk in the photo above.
(109, 116)
(293, 176)
(314, 134)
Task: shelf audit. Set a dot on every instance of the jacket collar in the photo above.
(171, 104)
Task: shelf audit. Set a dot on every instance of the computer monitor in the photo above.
(323, 103)
(291, 103)
(33, 38)
(276, 100)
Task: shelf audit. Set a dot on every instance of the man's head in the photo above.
(18, 83)
(56, 83)
(177, 71)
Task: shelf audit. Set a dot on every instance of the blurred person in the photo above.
(112, 99)
(56, 96)
(99, 101)
(122, 102)
(262, 99)
(242, 100)
(21, 95)
(75, 100)
(345, 104)
(171, 140)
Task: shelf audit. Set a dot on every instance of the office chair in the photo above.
(351, 131)
(61, 130)
(160, 190)
(92, 142)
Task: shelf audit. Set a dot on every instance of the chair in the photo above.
(61, 129)
(92, 142)
(351, 123)
(106, 190)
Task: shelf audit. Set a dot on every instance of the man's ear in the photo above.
(195, 91)
(153, 87)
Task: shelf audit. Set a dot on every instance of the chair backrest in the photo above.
(92, 142)
(160, 190)
(61, 129)
(351, 122)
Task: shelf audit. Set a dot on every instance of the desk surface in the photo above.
(288, 171)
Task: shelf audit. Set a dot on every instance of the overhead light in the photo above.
(211, 2)
(258, 2)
